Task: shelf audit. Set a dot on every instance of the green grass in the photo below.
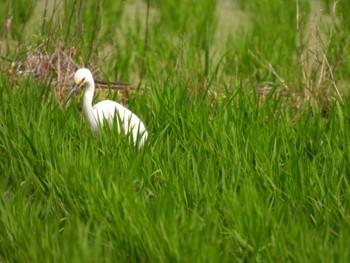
(221, 179)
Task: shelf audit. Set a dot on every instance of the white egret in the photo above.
(106, 110)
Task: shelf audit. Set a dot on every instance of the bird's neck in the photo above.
(87, 104)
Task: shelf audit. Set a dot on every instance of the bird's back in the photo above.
(106, 110)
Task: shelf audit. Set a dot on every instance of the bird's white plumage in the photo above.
(106, 110)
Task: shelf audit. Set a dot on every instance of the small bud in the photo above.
(73, 52)
(8, 23)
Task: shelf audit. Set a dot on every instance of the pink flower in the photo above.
(8, 23)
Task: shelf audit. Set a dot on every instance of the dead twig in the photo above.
(300, 46)
(142, 72)
(94, 31)
(269, 66)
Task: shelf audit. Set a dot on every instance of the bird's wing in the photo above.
(106, 111)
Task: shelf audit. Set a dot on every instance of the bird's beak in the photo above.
(72, 91)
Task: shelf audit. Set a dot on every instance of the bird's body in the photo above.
(107, 110)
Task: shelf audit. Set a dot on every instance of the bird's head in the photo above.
(81, 77)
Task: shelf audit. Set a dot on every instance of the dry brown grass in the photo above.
(58, 70)
(318, 71)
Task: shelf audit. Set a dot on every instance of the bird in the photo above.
(107, 110)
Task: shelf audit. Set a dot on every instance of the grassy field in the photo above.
(227, 175)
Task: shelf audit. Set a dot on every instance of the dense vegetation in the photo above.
(227, 175)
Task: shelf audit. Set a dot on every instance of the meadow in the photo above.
(248, 116)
